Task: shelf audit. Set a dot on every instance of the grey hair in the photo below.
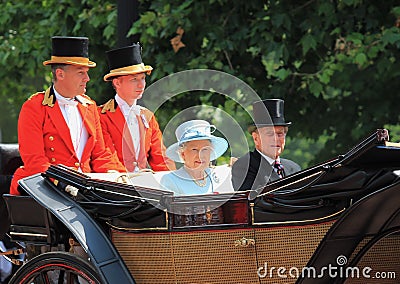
(54, 67)
(181, 147)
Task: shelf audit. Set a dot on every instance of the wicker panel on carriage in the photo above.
(188, 257)
(148, 256)
(382, 259)
(289, 247)
(218, 256)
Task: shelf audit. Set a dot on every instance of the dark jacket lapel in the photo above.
(266, 172)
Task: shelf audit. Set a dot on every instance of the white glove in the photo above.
(71, 190)
(126, 177)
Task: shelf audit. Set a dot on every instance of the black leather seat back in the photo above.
(30, 222)
(10, 160)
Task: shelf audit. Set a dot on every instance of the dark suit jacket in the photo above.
(252, 171)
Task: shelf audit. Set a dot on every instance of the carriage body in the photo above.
(341, 214)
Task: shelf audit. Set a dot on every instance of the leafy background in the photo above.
(335, 63)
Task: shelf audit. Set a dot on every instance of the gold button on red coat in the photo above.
(77, 164)
(53, 159)
(52, 149)
(51, 138)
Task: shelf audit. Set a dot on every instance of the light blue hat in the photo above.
(196, 130)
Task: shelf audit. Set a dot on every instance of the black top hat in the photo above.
(70, 50)
(126, 61)
(268, 112)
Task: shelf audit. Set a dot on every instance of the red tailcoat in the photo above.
(44, 138)
(117, 139)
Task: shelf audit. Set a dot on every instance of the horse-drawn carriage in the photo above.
(337, 222)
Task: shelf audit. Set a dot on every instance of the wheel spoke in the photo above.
(44, 278)
(61, 277)
(70, 277)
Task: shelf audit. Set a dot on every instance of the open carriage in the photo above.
(337, 222)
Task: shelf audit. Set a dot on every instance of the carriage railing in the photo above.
(118, 204)
(329, 188)
(86, 184)
(361, 155)
(127, 206)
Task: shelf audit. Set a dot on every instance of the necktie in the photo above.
(133, 125)
(137, 129)
(279, 169)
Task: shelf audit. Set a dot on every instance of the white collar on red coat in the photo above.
(125, 108)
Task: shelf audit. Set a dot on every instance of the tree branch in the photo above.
(229, 61)
(302, 6)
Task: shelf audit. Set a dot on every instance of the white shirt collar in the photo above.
(270, 160)
(125, 108)
(63, 100)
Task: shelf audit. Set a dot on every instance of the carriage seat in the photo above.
(10, 160)
(30, 222)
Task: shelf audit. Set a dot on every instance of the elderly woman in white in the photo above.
(196, 148)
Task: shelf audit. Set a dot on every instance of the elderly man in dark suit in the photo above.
(263, 165)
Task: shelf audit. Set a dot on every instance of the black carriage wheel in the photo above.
(56, 267)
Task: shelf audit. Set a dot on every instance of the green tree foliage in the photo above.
(26, 28)
(334, 62)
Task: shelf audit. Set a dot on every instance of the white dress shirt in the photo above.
(78, 132)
